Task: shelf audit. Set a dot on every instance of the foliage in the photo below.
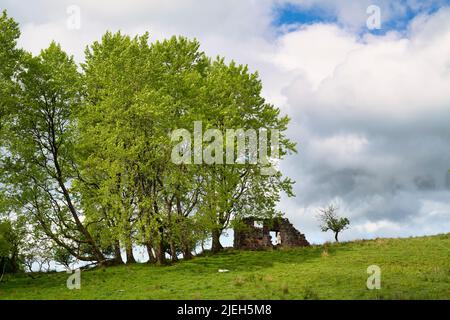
(9, 61)
(331, 221)
(63, 257)
(86, 152)
(12, 243)
(138, 93)
(38, 165)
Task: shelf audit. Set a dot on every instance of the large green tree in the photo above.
(114, 72)
(38, 166)
(135, 94)
(231, 191)
(10, 61)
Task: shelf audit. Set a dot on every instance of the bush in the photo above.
(9, 248)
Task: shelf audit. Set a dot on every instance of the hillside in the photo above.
(413, 268)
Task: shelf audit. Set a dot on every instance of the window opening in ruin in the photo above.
(258, 224)
(274, 237)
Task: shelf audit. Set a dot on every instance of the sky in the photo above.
(370, 108)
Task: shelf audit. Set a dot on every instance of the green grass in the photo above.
(413, 268)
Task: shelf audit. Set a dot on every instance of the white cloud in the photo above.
(405, 77)
(371, 126)
(341, 147)
(314, 51)
(373, 227)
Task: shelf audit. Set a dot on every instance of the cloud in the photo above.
(374, 125)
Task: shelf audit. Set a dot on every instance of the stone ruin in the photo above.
(254, 234)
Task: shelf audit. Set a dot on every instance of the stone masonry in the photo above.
(251, 237)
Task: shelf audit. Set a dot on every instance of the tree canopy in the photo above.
(86, 150)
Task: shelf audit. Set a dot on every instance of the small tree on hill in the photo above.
(331, 221)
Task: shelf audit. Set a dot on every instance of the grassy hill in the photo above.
(413, 268)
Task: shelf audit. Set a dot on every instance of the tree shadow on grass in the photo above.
(235, 260)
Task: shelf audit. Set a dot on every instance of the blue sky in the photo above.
(400, 15)
(292, 14)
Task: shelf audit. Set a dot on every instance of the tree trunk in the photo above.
(117, 254)
(187, 254)
(151, 256)
(216, 245)
(99, 256)
(60, 243)
(336, 236)
(130, 256)
(173, 252)
(14, 262)
(160, 254)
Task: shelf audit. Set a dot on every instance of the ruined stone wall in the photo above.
(291, 237)
(249, 237)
